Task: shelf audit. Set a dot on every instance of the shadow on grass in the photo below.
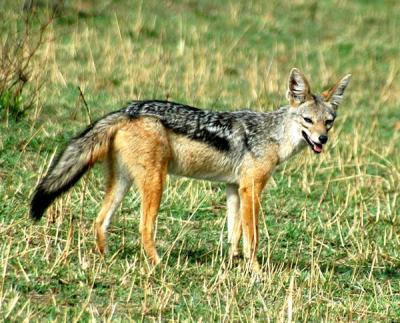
(193, 256)
(210, 254)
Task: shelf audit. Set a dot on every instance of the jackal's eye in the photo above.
(328, 123)
(308, 120)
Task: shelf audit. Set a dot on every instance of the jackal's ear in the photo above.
(298, 88)
(334, 95)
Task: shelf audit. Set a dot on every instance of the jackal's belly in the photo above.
(195, 159)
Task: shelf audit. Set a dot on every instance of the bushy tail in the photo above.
(80, 154)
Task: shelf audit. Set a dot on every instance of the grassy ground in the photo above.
(330, 232)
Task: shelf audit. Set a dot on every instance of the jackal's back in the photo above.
(233, 132)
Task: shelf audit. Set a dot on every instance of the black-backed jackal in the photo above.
(147, 140)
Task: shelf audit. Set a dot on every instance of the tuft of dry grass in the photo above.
(330, 224)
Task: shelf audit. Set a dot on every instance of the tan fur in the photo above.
(143, 149)
(147, 140)
(101, 148)
(118, 184)
(198, 160)
(255, 174)
(147, 150)
(327, 94)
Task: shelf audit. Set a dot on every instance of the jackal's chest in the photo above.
(198, 160)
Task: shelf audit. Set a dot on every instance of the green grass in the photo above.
(330, 229)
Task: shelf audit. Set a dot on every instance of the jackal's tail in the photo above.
(80, 154)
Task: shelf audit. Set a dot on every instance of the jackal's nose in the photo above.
(323, 139)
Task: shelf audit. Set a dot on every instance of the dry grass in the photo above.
(330, 225)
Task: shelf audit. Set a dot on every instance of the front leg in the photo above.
(254, 176)
(233, 218)
(250, 196)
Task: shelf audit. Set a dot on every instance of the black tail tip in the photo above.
(40, 202)
(36, 213)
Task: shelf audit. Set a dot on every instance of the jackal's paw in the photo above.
(255, 267)
(101, 248)
(155, 259)
(101, 239)
(101, 244)
(234, 252)
(233, 261)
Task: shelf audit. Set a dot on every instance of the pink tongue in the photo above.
(317, 148)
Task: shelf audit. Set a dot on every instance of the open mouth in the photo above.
(316, 147)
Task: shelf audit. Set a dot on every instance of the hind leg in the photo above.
(144, 148)
(118, 185)
(151, 188)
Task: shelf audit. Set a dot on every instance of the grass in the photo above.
(330, 232)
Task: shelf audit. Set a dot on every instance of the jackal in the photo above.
(146, 140)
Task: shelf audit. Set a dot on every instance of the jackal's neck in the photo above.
(289, 130)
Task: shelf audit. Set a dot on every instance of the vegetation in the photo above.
(330, 229)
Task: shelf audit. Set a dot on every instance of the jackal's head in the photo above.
(314, 114)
